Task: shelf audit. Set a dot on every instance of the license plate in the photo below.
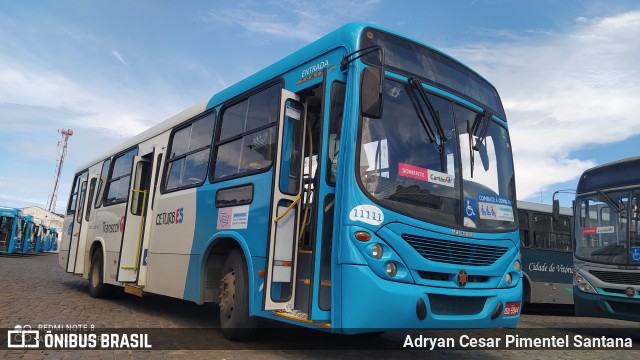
(512, 309)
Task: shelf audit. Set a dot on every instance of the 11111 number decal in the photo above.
(368, 214)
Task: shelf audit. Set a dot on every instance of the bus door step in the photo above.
(308, 282)
(133, 289)
(300, 316)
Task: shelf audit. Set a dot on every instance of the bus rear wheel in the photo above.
(235, 322)
(97, 287)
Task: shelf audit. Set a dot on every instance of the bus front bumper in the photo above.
(370, 303)
(613, 307)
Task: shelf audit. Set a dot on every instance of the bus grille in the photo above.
(454, 252)
(456, 305)
(615, 277)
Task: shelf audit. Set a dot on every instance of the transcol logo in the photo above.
(113, 228)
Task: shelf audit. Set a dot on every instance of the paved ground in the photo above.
(34, 291)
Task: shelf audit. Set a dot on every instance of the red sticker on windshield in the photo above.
(413, 172)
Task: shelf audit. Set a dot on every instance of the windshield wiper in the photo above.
(471, 151)
(479, 130)
(422, 117)
(439, 138)
(480, 127)
(434, 114)
(610, 202)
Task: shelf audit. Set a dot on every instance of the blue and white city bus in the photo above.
(9, 230)
(54, 239)
(50, 243)
(29, 233)
(41, 235)
(547, 254)
(46, 244)
(362, 183)
(607, 241)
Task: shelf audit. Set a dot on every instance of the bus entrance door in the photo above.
(131, 248)
(77, 223)
(286, 206)
(84, 211)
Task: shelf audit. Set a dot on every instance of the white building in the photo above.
(48, 218)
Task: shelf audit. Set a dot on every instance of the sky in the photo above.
(567, 71)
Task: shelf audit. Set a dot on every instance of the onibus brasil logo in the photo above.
(23, 337)
(73, 337)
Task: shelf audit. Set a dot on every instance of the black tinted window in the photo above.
(189, 155)
(118, 184)
(247, 135)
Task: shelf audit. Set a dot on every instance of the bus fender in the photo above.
(526, 286)
(212, 242)
(87, 256)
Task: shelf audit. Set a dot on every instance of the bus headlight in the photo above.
(508, 279)
(392, 269)
(517, 266)
(583, 284)
(376, 251)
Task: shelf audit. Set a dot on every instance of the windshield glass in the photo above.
(607, 230)
(436, 178)
(432, 66)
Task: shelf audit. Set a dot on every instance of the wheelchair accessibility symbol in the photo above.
(635, 254)
(470, 208)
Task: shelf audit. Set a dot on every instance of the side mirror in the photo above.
(556, 210)
(372, 85)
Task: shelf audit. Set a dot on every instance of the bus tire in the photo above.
(97, 287)
(235, 322)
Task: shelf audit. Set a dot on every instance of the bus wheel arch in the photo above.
(235, 321)
(226, 282)
(526, 289)
(97, 287)
(214, 259)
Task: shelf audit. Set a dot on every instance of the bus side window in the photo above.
(335, 129)
(246, 139)
(542, 232)
(71, 207)
(117, 187)
(103, 179)
(83, 191)
(234, 196)
(634, 226)
(188, 157)
(92, 187)
(5, 229)
(562, 232)
(525, 234)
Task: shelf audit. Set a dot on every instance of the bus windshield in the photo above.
(427, 168)
(604, 233)
(407, 57)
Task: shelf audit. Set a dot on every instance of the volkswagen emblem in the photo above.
(462, 278)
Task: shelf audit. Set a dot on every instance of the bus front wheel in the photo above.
(235, 322)
(97, 287)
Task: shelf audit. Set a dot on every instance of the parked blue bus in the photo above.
(362, 183)
(29, 233)
(607, 241)
(547, 254)
(50, 239)
(54, 239)
(41, 235)
(9, 230)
